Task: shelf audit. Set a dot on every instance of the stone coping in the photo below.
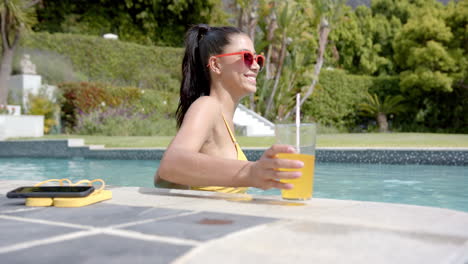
(69, 148)
(148, 225)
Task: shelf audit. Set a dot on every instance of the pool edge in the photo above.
(71, 148)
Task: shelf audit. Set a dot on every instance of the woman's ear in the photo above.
(214, 65)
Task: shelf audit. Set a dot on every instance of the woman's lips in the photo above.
(251, 78)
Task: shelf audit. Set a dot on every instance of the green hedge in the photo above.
(112, 61)
(93, 59)
(335, 98)
(103, 109)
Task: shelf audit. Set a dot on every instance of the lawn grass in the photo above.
(326, 140)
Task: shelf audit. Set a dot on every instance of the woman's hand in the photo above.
(264, 173)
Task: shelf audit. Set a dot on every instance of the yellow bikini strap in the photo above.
(240, 153)
(229, 129)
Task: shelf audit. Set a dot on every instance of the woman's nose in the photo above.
(255, 65)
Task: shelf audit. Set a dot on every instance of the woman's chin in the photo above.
(251, 88)
(246, 90)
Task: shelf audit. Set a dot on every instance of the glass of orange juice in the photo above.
(286, 134)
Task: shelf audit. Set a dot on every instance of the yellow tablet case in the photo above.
(97, 196)
(39, 201)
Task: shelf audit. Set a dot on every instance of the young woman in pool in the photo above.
(218, 69)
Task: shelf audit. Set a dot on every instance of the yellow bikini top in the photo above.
(240, 156)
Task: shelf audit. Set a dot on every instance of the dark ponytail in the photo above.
(201, 42)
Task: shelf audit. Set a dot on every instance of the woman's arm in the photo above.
(183, 164)
(196, 169)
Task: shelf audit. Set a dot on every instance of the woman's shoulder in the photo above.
(204, 108)
(206, 103)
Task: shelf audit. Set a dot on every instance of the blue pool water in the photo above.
(438, 186)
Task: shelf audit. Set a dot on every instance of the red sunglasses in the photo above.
(248, 58)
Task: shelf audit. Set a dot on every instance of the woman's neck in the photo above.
(228, 101)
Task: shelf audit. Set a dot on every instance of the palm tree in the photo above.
(329, 11)
(284, 23)
(379, 110)
(247, 22)
(15, 16)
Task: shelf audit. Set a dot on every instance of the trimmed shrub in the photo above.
(336, 97)
(123, 120)
(99, 108)
(335, 101)
(41, 105)
(114, 61)
(3, 110)
(385, 85)
(86, 97)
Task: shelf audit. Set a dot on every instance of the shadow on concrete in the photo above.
(230, 197)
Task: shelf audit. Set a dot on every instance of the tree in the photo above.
(284, 23)
(16, 17)
(439, 109)
(286, 34)
(394, 9)
(248, 17)
(363, 37)
(457, 20)
(160, 22)
(247, 22)
(380, 109)
(354, 37)
(330, 11)
(423, 54)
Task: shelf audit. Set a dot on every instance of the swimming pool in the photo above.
(428, 185)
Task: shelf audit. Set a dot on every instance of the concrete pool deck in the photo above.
(147, 225)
